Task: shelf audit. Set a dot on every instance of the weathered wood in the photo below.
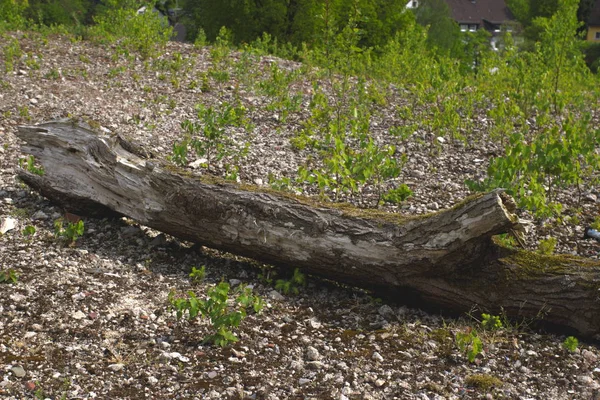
(447, 259)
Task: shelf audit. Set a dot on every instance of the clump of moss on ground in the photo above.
(482, 381)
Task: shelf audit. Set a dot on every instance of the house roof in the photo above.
(594, 18)
(478, 11)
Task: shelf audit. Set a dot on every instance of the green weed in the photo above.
(469, 343)
(293, 285)
(71, 232)
(198, 274)
(8, 276)
(215, 307)
(570, 343)
(28, 164)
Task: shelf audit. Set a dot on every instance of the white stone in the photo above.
(7, 224)
(78, 315)
(18, 371)
(198, 163)
(314, 323)
(116, 367)
(275, 295)
(312, 354)
(17, 297)
(377, 357)
(39, 215)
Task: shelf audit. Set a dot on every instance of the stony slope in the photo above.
(92, 320)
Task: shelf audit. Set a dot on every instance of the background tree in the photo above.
(60, 12)
(12, 11)
(444, 32)
(526, 11)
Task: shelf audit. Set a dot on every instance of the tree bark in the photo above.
(447, 259)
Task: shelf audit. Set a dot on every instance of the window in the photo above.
(597, 35)
(472, 28)
(464, 27)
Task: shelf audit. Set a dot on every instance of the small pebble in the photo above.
(377, 357)
(18, 371)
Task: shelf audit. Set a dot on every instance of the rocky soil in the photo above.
(92, 320)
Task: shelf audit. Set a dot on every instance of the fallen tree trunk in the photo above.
(446, 259)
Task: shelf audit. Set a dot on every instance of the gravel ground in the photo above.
(92, 320)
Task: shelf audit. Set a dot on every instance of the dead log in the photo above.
(447, 259)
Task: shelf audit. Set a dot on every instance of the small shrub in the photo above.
(24, 113)
(198, 274)
(267, 274)
(29, 230)
(144, 32)
(398, 195)
(506, 240)
(547, 246)
(52, 74)
(491, 322)
(571, 343)
(208, 135)
(293, 285)
(200, 40)
(469, 343)
(216, 308)
(72, 232)
(12, 55)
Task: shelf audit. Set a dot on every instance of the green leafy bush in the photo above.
(469, 343)
(208, 136)
(491, 322)
(71, 232)
(397, 195)
(216, 308)
(547, 246)
(29, 231)
(12, 54)
(293, 285)
(121, 23)
(12, 14)
(198, 274)
(571, 343)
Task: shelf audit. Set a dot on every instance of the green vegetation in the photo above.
(596, 224)
(469, 343)
(28, 164)
(217, 309)
(536, 98)
(208, 136)
(547, 246)
(71, 232)
(571, 343)
(483, 381)
(29, 231)
(198, 274)
(8, 276)
(293, 285)
(491, 322)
